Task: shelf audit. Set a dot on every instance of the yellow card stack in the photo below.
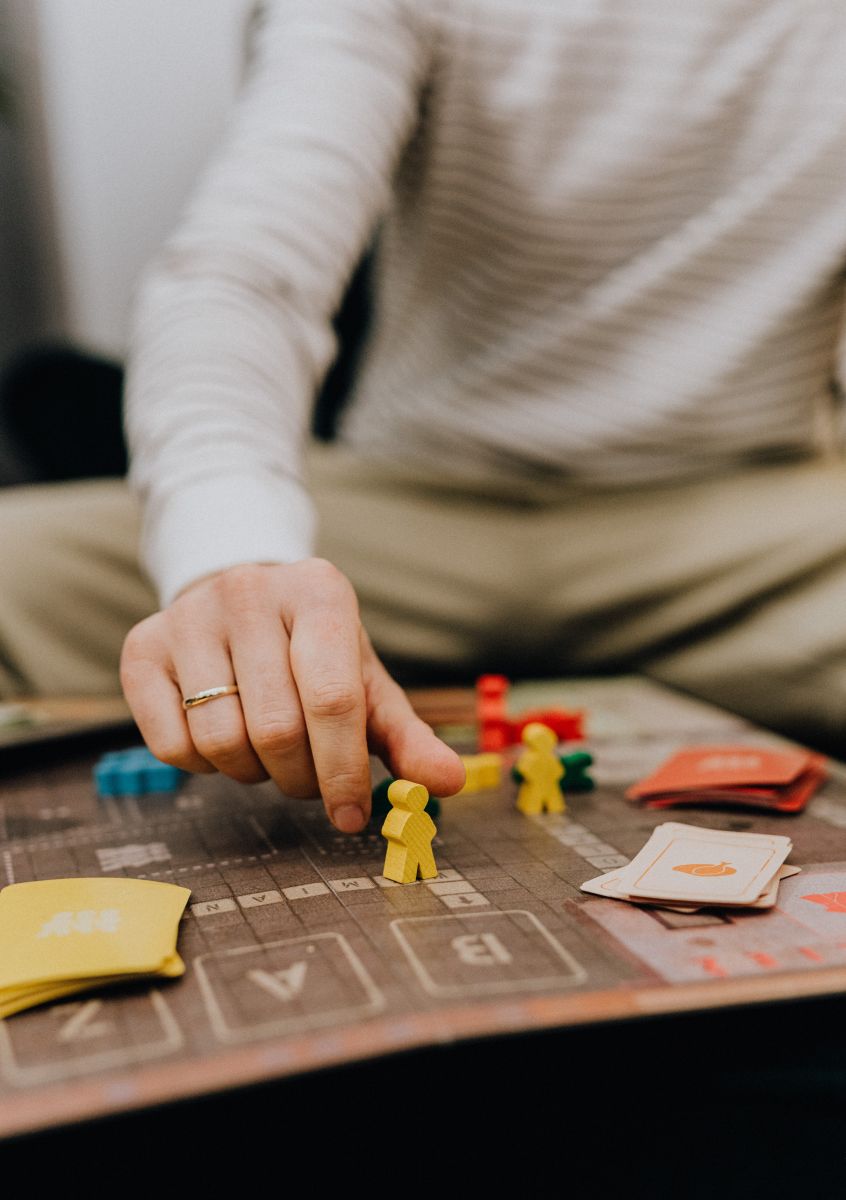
(61, 936)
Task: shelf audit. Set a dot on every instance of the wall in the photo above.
(19, 309)
(127, 99)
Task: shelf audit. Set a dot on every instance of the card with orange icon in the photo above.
(608, 885)
(687, 864)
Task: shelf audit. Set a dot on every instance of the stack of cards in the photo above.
(687, 868)
(61, 936)
(779, 780)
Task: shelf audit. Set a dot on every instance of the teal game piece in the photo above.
(134, 772)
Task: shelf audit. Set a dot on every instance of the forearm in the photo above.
(233, 329)
(217, 405)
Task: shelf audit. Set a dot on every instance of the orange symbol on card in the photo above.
(831, 901)
(722, 868)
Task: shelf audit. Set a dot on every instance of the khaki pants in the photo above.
(732, 588)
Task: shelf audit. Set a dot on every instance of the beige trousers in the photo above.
(733, 588)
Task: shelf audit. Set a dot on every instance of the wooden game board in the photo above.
(300, 955)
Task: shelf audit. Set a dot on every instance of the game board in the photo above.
(301, 955)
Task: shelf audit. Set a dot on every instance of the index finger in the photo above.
(325, 657)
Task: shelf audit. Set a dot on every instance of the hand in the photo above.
(312, 693)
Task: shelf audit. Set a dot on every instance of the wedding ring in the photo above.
(209, 694)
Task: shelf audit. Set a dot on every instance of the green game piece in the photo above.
(379, 800)
(576, 778)
(382, 805)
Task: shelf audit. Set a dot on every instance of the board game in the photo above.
(301, 955)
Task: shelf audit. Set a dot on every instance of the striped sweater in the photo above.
(612, 240)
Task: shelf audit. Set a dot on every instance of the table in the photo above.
(301, 956)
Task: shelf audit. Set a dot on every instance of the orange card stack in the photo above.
(777, 780)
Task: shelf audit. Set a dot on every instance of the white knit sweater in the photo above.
(613, 239)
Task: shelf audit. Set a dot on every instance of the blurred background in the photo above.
(108, 111)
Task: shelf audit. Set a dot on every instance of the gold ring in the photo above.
(209, 694)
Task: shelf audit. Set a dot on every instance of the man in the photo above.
(597, 425)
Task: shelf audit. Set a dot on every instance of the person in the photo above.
(598, 422)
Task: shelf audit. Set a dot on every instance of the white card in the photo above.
(607, 886)
(704, 866)
(769, 896)
(773, 839)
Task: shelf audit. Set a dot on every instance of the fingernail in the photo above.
(349, 818)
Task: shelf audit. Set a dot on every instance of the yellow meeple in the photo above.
(409, 831)
(541, 770)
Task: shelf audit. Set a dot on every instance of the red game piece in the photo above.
(491, 691)
(497, 730)
(568, 726)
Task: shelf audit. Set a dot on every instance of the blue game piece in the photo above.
(134, 772)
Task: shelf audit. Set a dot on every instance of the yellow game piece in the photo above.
(541, 770)
(484, 772)
(54, 931)
(409, 831)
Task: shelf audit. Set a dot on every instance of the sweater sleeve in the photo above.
(232, 330)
